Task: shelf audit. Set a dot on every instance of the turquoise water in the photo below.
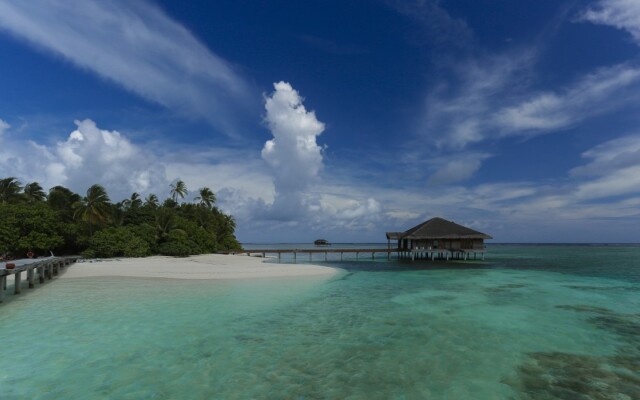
(532, 322)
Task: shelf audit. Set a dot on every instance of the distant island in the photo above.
(322, 242)
(34, 223)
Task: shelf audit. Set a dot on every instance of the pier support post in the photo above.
(30, 274)
(279, 257)
(325, 256)
(41, 273)
(18, 281)
(3, 282)
(294, 256)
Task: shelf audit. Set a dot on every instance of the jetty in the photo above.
(413, 254)
(434, 239)
(40, 269)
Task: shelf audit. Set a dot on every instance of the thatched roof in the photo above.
(438, 228)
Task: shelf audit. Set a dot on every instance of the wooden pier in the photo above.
(43, 269)
(415, 254)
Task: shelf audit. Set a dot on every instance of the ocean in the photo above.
(530, 322)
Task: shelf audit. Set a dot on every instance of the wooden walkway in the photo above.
(44, 269)
(416, 254)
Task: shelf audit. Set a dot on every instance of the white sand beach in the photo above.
(209, 266)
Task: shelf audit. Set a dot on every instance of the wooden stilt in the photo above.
(3, 283)
(30, 275)
(17, 282)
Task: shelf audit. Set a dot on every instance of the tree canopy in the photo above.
(92, 225)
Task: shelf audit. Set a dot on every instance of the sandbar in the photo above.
(208, 266)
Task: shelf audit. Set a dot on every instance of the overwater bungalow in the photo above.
(439, 238)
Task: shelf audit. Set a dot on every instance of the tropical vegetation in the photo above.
(65, 222)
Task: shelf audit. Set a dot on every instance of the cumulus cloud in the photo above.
(135, 45)
(622, 14)
(293, 154)
(89, 155)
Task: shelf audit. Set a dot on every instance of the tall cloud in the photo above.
(293, 154)
(135, 45)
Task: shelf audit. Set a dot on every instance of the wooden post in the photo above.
(294, 256)
(279, 256)
(30, 275)
(325, 256)
(18, 279)
(3, 282)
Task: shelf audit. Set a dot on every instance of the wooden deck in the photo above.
(43, 269)
(415, 254)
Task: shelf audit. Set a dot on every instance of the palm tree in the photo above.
(207, 198)
(133, 202)
(9, 189)
(165, 223)
(94, 208)
(33, 192)
(152, 201)
(179, 189)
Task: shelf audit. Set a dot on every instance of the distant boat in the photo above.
(322, 242)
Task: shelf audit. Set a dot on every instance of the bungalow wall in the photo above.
(442, 244)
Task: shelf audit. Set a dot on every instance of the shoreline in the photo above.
(200, 267)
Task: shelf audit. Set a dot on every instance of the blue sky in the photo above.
(337, 119)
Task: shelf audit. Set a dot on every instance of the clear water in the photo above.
(532, 322)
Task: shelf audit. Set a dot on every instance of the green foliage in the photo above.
(67, 223)
(9, 190)
(27, 227)
(178, 244)
(118, 242)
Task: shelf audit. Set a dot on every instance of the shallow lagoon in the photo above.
(546, 322)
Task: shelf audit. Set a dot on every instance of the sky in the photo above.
(336, 119)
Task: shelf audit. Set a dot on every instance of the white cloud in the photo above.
(458, 110)
(135, 45)
(615, 154)
(593, 94)
(3, 127)
(293, 155)
(622, 14)
(89, 155)
(621, 182)
(457, 167)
